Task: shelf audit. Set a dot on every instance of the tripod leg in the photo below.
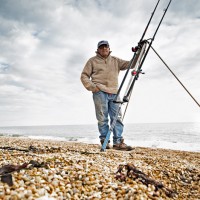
(175, 77)
(103, 147)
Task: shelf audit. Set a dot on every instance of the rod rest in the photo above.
(116, 101)
(125, 99)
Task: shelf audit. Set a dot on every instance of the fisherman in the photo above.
(100, 75)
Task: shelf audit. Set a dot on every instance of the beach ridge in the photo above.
(72, 170)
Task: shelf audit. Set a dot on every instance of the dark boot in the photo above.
(122, 146)
(108, 145)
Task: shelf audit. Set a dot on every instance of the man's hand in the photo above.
(96, 90)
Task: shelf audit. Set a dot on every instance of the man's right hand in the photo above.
(96, 90)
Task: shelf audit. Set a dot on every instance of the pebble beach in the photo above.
(44, 169)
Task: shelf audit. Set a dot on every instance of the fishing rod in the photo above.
(136, 51)
(137, 60)
(139, 70)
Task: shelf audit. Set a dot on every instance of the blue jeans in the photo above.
(104, 106)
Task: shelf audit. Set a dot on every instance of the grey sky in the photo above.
(45, 44)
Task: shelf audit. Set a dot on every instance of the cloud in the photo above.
(44, 46)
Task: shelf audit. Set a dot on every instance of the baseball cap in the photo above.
(102, 42)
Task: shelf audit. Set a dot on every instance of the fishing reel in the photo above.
(139, 46)
(136, 73)
(135, 49)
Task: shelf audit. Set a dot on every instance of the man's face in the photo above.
(104, 50)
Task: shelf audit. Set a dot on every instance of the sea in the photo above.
(175, 136)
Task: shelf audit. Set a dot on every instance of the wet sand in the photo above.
(66, 170)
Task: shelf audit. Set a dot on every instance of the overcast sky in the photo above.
(45, 44)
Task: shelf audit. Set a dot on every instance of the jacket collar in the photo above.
(98, 54)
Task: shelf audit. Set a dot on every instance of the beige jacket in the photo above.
(103, 73)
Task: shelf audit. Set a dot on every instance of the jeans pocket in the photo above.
(94, 93)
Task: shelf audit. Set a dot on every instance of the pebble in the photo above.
(81, 171)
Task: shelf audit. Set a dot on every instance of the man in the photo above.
(100, 75)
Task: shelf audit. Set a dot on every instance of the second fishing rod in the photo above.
(138, 50)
